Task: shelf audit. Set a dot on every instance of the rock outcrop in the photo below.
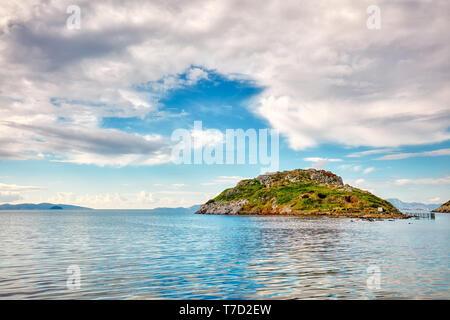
(444, 208)
(299, 192)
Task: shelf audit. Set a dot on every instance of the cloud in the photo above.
(87, 145)
(224, 180)
(364, 184)
(13, 192)
(436, 200)
(356, 168)
(113, 200)
(7, 196)
(192, 75)
(196, 74)
(178, 185)
(145, 197)
(327, 78)
(130, 200)
(368, 170)
(434, 153)
(320, 163)
(316, 159)
(370, 152)
(208, 137)
(179, 198)
(14, 187)
(308, 126)
(425, 181)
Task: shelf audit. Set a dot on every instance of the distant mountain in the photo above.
(40, 206)
(51, 206)
(412, 206)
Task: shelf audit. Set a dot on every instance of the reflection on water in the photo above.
(142, 255)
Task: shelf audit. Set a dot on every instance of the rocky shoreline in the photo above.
(235, 209)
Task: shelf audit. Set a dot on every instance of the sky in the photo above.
(89, 103)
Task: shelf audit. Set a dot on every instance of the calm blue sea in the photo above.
(133, 254)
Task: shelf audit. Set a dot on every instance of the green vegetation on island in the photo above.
(299, 192)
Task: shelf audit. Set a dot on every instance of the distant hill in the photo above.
(412, 206)
(51, 206)
(41, 206)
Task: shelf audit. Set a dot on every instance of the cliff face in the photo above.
(444, 208)
(299, 192)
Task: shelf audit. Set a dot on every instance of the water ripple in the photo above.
(142, 255)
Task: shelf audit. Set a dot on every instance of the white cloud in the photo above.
(129, 200)
(86, 145)
(436, 200)
(368, 170)
(145, 197)
(364, 184)
(370, 152)
(425, 181)
(316, 159)
(320, 163)
(8, 196)
(208, 137)
(171, 198)
(174, 81)
(376, 124)
(14, 187)
(196, 74)
(327, 78)
(136, 100)
(356, 168)
(13, 192)
(434, 153)
(224, 180)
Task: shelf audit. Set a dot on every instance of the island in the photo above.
(444, 208)
(41, 206)
(306, 192)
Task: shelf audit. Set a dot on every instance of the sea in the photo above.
(139, 254)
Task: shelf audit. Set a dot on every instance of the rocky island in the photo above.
(444, 208)
(299, 192)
